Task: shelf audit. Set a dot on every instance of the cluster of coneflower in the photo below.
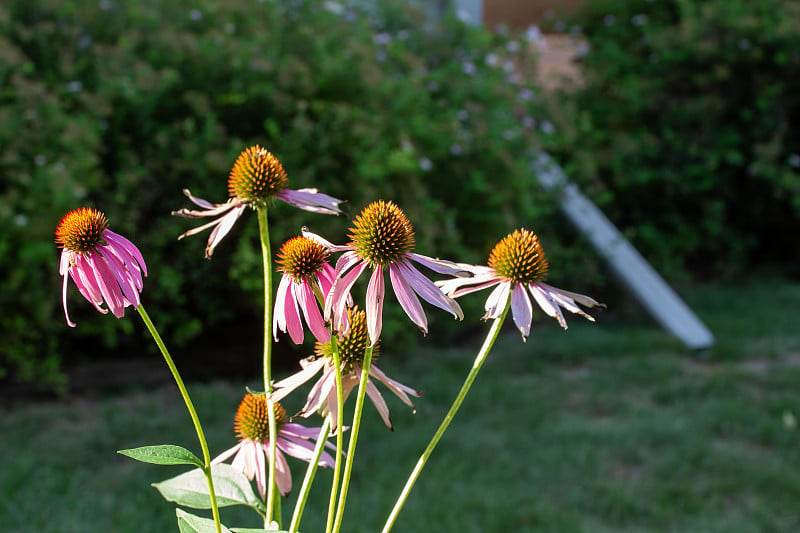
(108, 271)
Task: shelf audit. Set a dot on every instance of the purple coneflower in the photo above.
(256, 177)
(351, 347)
(306, 275)
(382, 237)
(106, 267)
(252, 452)
(517, 266)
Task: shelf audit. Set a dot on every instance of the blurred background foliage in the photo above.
(121, 105)
(684, 129)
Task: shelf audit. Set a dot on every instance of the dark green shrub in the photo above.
(686, 127)
(120, 105)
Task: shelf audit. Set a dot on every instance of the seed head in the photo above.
(257, 175)
(81, 230)
(519, 258)
(252, 418)
(353, 345)
(301, 257)
(382, 234)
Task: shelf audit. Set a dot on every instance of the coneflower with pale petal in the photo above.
(382, 237)
(107, 268)
(307, 277)
(517, 268)
(256, 178)
(251, 454)
(351, 347)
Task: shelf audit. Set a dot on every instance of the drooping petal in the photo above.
(379, 403)
(121, 242)
(457, 287)
(346, 261)
(296, 447)
(260, 455)
(440, 265)
(335, 304)
(497, 299)
(279, 313)
(396, 387)
(223, 228)
(521, 310)
(310, 306)
(109, 288)
(580, 298)
(311, 200)
(123, 276)
(548, 305)
(321, 393)
(374, 305)
(428, 290)
(282, 388)
(293, 325)
(324, 242)
(63, 269)
(408, 300)
(283, 477)
(226, 454)
(86, 282)
(210, 209)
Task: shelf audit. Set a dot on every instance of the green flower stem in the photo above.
(351, 448)
(476, 366)
(192, 413)
(266, 255)
(339, 434)
(302, 497)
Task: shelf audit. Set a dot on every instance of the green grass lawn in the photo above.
(604, 427)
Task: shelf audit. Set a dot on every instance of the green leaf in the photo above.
(189, 523)
(191, 489)
(163, 454)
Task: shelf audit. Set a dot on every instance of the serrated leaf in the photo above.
(231, 487)
(163, 454)
(189, 523)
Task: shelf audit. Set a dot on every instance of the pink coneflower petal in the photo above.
(547, 304)
(311, 367)
(311, 200)
(107, 284)
(283, 477)
(428, 289)
(521, 310)
(407, 299)
(439, 266)
(336, 302)
(569, 299)
(374, 305)
(121, 243)
(304, 294)
(379, 403)
(287, 316)
(400, 390)
(497, 300)
(226, 454)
